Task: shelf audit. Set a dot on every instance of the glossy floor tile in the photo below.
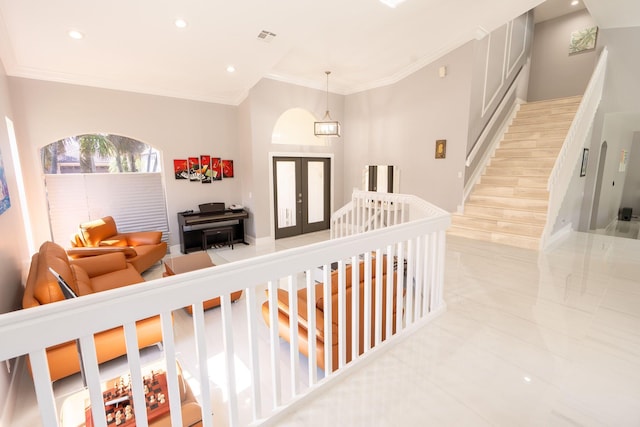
(528, 339)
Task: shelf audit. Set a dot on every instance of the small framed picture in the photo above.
(441, 148)
(585, 161)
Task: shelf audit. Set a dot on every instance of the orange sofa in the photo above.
(303, 316)
(141, 248)
(84, 276)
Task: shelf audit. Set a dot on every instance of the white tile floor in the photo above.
(528, 339)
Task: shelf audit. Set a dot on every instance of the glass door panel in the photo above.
(286, 194)
(302, 195)
(315, 191)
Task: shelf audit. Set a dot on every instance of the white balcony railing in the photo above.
(371, 211)
(571, 151)
(418, 245)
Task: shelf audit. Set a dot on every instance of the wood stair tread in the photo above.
(509, 203)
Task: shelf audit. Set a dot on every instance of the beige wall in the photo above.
(555, 73)
(46, 112)
(14, 254)
(399, 124)
(616, 122)
(266, 102)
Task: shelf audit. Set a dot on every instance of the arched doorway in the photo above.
(301, 181)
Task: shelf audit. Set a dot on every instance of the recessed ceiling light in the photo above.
(231, 69)
(392, 3)
(180, 23)
(75, 34)
(575, 2)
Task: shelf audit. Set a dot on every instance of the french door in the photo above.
(302, 195)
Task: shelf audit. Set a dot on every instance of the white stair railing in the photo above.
(370, 210)
(413, 249)
(571, 150)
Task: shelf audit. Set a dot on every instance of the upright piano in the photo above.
(192, 224)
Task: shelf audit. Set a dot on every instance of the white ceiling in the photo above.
(134, 45)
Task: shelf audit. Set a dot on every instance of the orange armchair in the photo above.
(304, 335)
(85, 276)
(142, 249)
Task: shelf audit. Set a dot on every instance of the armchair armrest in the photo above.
(80, 252)
(138, 238)
(303, 318)
(102, 264)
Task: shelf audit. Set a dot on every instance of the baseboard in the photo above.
(558, 236)
(260, 240)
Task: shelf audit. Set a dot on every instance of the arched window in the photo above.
(99, 153)
(91, 176)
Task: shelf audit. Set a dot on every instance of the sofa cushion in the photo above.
(114, 240)
(46, 289)
(93, 232)
(83, 281)
(101, 264)
(116, 279)
(139, 238)
(147, 255)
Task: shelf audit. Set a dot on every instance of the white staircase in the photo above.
(509, 204)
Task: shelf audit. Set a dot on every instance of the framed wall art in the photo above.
(583, 40)
(180, 169)
(216, 168)
(441, 148)
(205, 169)
(227, 168)
(194, 168)
(5, 202)
(585, 161)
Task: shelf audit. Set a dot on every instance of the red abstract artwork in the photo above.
(227, 168)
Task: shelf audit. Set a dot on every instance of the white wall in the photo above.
(13, 249)
(497, 59)
(555, 73)
(266, 102)
(46, 112)
(399, 125)
(631, 191)
(616, 122)
(618, 130)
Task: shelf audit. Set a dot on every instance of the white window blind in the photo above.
(135, 200)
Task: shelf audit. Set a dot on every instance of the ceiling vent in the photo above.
(266, 36)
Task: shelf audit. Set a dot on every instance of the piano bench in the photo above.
(227, 231)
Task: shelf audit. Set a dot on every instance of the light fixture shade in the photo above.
(327, 127)
(330, 128)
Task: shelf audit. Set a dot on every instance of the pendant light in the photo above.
(327, 127)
